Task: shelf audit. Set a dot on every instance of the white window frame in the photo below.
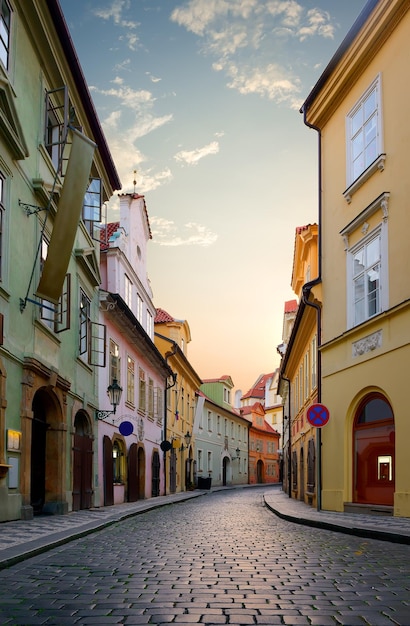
(128, 291)
(379, 232)
(372, 160)
(139, 308)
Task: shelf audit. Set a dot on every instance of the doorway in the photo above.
(374, 452)
(82, 463)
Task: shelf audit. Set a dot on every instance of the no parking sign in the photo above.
(317, 415)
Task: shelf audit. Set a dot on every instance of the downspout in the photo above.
(174, 380)
(289, 439)
(305, 297)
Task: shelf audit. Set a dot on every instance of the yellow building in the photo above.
(359, 108)
(171, 338)
(298, 372)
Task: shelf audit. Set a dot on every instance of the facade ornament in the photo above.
(365, 228)
(367, 344)
(140, 429)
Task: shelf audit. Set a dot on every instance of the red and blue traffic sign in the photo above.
(317, 415)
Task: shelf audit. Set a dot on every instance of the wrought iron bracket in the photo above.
(32, 209)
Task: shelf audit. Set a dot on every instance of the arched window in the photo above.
(374, 452)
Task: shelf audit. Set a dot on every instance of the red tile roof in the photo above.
(216, 380)
(161, 317)
(300, 229)
(106, 232)
(258, 390)
(291, 306)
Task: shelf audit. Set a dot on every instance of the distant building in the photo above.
(264, 458)
(298, 374)
(172, 337)
(221, 436)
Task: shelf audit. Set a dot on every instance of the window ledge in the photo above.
(378, 164)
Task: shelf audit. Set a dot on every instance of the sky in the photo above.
(201, 98)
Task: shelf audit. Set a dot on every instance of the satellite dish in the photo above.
(165, 446)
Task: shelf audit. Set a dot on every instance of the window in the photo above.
(115, 362)
(139, 308)
(149, 324)
(92, 204)
(218, 424)
(57, 106)
(142, 401)
(92, 336)
(5, 19)
(200, 468)
(209, 462)
(227, 395)
(209, 421)
(130, 380)
(306, 370)
(159, 404)
(313, 370)
(364, 136)
(128, 291)
(365, 262)
(150, 398)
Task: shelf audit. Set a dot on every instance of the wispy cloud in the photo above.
(166, 233)
(192, 157)
(114, 12)
(229, 29)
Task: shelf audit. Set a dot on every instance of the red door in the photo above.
(374, 440)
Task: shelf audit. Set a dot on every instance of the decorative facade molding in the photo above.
(367, 344)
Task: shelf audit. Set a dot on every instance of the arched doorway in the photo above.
(225, 465)
(260, 477)
(46, 470)
(156, 466)
(133, 473)
(302, 475)
(108, 472)
(38, 452)
(82, 463)
(374, 452)
(141, 473)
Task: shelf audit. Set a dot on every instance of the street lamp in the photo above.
(238, 455)
(187, 438)
(114, 392)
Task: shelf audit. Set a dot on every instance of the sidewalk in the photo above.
(384, 527)
(22, 539)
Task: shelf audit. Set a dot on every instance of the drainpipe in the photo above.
(306, 289)
(290, 440)
(174, 380)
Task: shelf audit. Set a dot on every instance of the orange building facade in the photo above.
(264, 441)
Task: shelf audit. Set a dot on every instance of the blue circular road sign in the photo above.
(317, 415)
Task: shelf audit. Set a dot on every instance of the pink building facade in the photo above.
(130, 458)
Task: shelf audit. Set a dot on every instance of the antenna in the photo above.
(135, 179)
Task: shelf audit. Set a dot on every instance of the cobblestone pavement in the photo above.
(220, 559)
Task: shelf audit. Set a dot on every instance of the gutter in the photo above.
(306, 289)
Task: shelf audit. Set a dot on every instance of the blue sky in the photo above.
(202, 99)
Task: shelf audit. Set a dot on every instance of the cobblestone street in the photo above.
(220, 559)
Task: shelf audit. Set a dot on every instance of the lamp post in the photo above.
(114, 392)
